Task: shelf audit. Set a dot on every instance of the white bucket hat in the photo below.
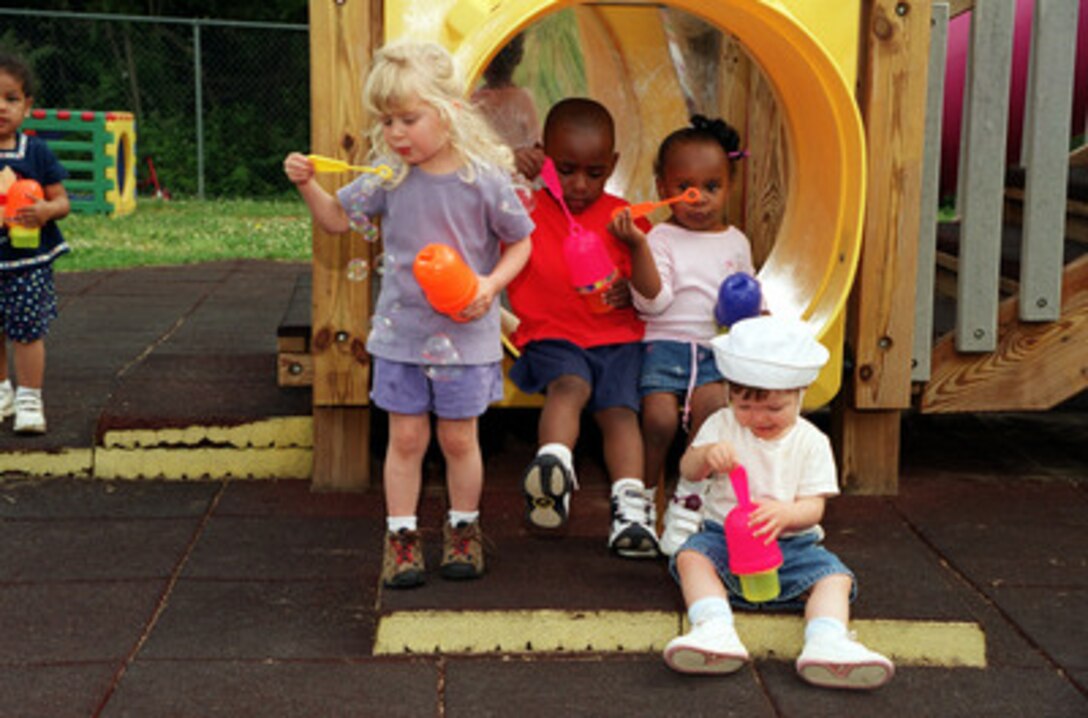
(769, 352)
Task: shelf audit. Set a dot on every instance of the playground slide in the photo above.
(809, 58)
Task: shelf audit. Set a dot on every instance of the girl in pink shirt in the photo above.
(694, 250)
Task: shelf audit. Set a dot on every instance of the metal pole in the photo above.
(198, 82)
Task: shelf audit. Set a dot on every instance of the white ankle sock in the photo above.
(687, 488)
(27, 391)
(5, 385)
(459, 517)
(396, 523)
(709, 608)
(559, 451)
(822, 625)
(622, 485)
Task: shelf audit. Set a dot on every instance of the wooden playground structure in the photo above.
(1018, 342)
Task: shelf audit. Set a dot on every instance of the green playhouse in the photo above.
(98, 149)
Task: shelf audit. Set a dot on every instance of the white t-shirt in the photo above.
(692, 266)
(797, 465)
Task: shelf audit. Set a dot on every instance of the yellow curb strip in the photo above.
(280, 432)
(66, 462)
(915, 643)
(206, 463)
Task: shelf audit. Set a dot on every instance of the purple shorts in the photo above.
(28, 302)
(460, 391)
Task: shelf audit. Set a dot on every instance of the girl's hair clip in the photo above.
(737, 154)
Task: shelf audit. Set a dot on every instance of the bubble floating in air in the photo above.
(441, 358)
(381, 329)
(358, 270)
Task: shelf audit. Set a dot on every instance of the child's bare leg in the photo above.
(712, 645)
(3, 357)
(549, 478)
(705, 400)
(633, 532)
(464, 462)
(830, 598)
(660, 420)
(30, 363)
(831, 657)
(402, 476)
(562, 412)
(622, 443)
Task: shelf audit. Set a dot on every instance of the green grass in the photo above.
(186, 232)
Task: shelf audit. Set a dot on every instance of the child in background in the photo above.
(768, 363)
(578, 358)
(695, 250)
(452, 186)
(28, 299)
(510, 109)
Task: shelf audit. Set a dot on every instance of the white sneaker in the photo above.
(709, 647)
(7, 402)
(29, 414)
(633, 519)
(841, 662)
(683, 517)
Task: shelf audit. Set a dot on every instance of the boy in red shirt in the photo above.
(578, 358)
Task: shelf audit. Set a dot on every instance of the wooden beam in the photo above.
(342, 37)
(893, 100)
(892, 96)
(1035, 366)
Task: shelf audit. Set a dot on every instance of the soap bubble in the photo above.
(381, 329)
(358, 270)
(385, 263)
(441, 358)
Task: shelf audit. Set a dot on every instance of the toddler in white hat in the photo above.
(768, 362)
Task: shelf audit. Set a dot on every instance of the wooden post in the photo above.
(342, 36)
(881, 323)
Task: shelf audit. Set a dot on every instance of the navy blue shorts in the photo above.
(666, 367)
(28, 302)
(611, 370)
(804, 562)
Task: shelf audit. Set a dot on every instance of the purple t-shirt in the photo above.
(473, 218)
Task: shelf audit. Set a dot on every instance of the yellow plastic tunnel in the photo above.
(809, 58)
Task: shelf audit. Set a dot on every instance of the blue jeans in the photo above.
(804, 562)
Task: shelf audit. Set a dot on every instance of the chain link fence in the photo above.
(217, 103)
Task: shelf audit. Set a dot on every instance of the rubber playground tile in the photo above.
(66, 498)
(298, 499)
(948, 692)
(68, 427)
(279, 548)
(991, 555)
(599, 686)
(87, 550)
(74, 622)
(527, 573)
(898, 576)
(389, 689)
(266, 620)
(1053, 618)
(928, 500)
(59, 691)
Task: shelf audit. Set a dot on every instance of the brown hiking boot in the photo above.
(402, 560)
(462, 550)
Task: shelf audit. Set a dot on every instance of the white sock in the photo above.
(626, 484)
(27, 391)
(462, 517)
(396, 523)
(5, 385)
(687, 488)
(824, 625)
(711, 607)
(559, 451)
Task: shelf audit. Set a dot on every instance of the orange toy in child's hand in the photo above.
(22, 193)
(691, 194)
